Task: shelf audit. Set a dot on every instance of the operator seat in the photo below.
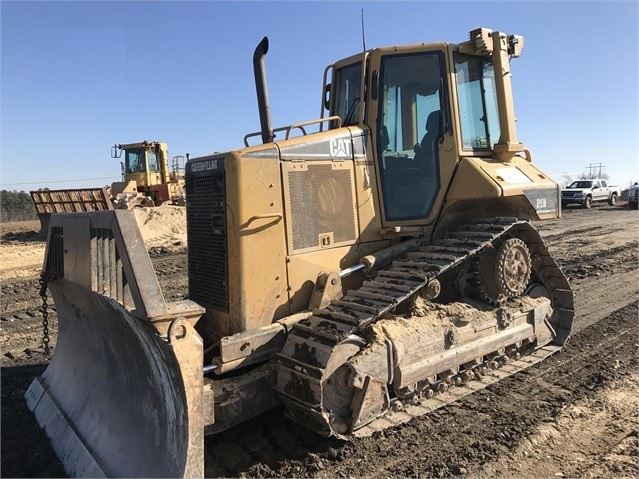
(426, 161)
(426, 151)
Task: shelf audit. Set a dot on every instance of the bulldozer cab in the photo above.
(429, 108)
(145, 163)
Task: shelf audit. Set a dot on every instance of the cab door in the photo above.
(603, 190)
(410, 116)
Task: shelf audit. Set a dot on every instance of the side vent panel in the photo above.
(320, 205)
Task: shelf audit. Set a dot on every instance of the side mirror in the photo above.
(375, 85)
(327, 97)
(116, 152)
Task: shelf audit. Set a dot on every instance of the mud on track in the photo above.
(574, 414)
(467, 437)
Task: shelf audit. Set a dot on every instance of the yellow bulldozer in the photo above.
(147, 177)
(147, 180)
(361, 274)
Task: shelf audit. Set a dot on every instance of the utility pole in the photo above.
(594, 167)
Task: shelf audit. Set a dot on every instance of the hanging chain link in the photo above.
(45, 277)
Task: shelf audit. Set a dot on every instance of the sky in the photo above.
(77, 77)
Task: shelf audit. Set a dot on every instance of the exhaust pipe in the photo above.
(262, 91)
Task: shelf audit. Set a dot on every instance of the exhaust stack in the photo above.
(262, 91)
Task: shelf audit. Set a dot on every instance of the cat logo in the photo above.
(340, 148)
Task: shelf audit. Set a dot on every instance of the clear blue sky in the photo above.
(78, 77)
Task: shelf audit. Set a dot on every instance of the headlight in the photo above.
(579, 194)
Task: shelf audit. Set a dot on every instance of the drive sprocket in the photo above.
(513, 267)
(504, 271)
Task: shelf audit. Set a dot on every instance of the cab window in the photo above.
(153, 161)
(410, 125)
(478, 112)
(134, 161)
(348, 83)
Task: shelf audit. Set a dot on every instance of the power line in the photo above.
(593, 167)
(57, 181)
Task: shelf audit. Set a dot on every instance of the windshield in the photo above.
(134, 160)
(478, 113)
(581, 184)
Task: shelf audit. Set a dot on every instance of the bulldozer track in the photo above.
(311, 342)
(411, 411)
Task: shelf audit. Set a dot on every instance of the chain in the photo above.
(45, 277)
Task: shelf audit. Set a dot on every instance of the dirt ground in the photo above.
(573, 415)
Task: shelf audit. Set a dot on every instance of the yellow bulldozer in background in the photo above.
(384, 262)
(147, 180)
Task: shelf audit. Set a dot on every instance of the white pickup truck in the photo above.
(586, 192)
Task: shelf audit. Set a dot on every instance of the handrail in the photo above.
(324, 92)
(259, 133)
(299, 126)
(312, 122)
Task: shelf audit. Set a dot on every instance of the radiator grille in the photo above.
(322, 204)
(207, 240)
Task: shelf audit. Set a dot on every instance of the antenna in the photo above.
(363, 37)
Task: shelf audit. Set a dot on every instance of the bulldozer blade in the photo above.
(123, 393)
(114, 400)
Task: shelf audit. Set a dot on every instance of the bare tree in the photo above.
(568, 178)
(594, 175)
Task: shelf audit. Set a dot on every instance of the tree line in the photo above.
(16, 206)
